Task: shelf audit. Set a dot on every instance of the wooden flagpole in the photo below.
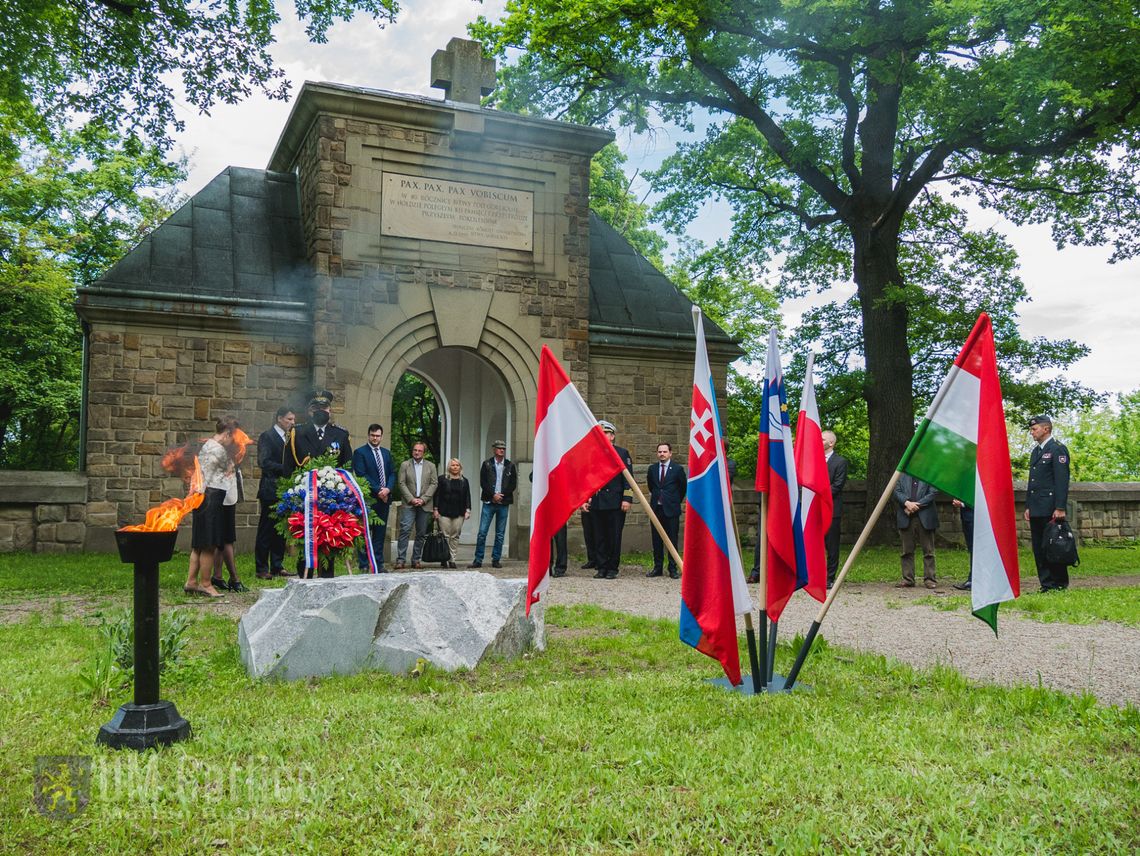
(855, 550)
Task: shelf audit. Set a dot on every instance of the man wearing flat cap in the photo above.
(1046, 498)
(305, 442)
(498, 481)
(608, 508)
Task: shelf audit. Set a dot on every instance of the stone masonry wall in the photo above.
(359, 271)
(149, 391)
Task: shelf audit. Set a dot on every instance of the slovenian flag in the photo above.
(962, 449)
(776, 476)
(713, 590)
(816, 506)
(573, 458)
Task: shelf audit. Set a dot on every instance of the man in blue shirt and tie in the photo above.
(373, 463)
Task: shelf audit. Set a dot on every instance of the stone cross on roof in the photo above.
(462, 72)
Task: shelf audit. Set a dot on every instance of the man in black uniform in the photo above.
(1046, 498)
(269, 550)
(316, 437)
(609, 506)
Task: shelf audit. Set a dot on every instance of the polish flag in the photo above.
(816, 505)
(573, 458)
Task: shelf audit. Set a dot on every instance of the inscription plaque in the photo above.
(457, 212)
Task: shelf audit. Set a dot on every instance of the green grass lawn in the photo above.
(610, 741)
(1120, 604)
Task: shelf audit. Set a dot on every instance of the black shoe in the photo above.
(475, 565)
(962, 586)
(754, 577)
(452, 565)
(589, 565)
(612, 575)
(600, 575)
(656, 572)
(220, 585)
(673, 575)
(558, 572)
(281, 572)
(496, 564)
(238, 586)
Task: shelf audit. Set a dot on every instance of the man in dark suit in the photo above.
(373, 463)
(269, 549)
(837, 474)
(316, 437)
(609, 507)
(1046, 498)
(916, 518)
(667, 484)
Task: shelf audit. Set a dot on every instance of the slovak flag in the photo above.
(573, 458)
(713, 590)
(776, 476)
(816, 506)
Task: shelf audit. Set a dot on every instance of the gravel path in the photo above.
(1101, 658)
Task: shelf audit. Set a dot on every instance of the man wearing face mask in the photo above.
(316, 437)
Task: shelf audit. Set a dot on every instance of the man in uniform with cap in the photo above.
(498, 481)
(316, 437)
(608, 507)
(1046, 497)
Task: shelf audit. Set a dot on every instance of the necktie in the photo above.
(379, 465)
(661, 478)
(913, 489)
(320, 435)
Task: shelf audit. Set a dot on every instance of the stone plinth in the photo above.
(388, 622)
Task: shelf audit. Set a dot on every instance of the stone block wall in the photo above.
(149, 391)
(42, 512)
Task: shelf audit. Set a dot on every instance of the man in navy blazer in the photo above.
(667, 484)
(917, 518)
(373, 463)
(269, 549)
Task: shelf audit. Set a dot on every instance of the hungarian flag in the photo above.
(713, 590)
(816, 506)
(961, 448)
(776, 476)
(573, 458)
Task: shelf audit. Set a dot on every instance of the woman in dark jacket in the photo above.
(452, 506)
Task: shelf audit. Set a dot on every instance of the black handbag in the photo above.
(1060, 544)
(435, 546)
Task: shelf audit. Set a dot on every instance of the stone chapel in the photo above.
(389, 233)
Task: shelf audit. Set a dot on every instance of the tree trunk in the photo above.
(888, 388)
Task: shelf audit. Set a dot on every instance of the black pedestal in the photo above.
(144, 726)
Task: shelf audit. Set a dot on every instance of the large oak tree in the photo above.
(855, 115)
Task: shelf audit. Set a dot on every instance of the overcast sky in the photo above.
(1076, 293)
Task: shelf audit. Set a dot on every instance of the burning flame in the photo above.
(240, 441)
(166, 517)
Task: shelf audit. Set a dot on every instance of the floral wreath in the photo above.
(336, 522)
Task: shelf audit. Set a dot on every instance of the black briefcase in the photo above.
(1060, 544)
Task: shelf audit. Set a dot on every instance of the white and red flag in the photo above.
(962, 449)
(816, 506)
(573, 458)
